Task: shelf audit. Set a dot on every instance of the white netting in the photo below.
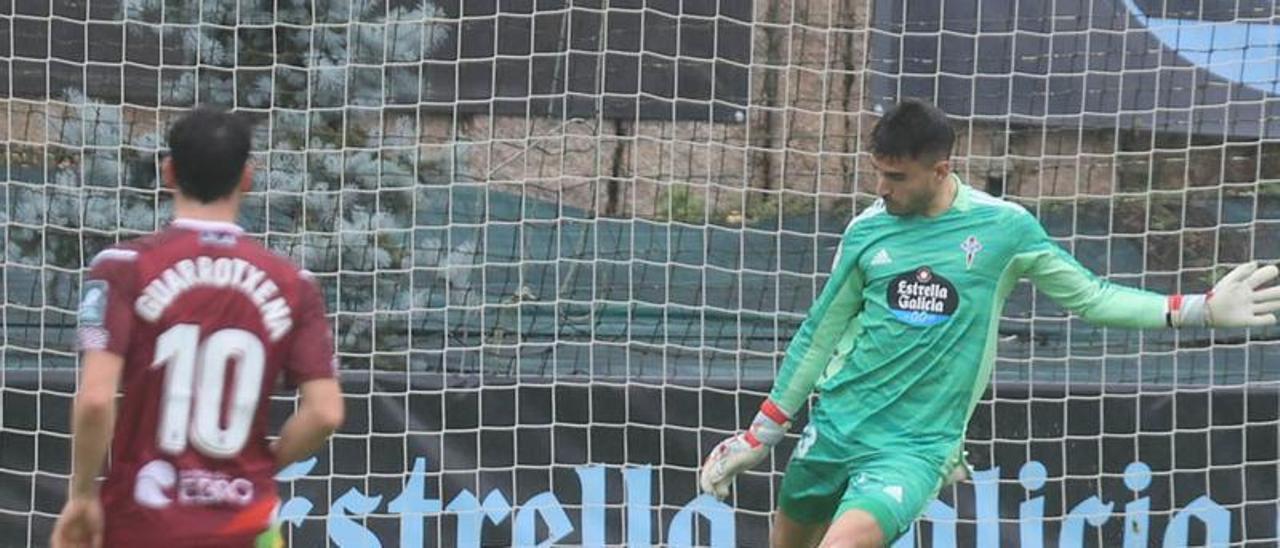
(556, 234)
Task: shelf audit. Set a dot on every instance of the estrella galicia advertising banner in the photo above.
(500, 463)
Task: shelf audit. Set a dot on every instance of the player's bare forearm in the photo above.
(93, 419)
(318, 416)
(302, 434)
(92, 426)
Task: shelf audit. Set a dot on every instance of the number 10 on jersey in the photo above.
(196, 416)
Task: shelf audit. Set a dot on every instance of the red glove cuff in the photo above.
(774, 412)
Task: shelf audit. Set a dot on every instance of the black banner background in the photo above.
(528, 437)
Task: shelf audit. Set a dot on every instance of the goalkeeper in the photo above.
(910, 312)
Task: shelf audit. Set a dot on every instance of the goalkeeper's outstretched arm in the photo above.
(1239, 299)
(806, 359)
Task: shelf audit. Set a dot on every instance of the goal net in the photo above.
(564, 244)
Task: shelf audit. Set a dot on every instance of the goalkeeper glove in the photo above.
(743, 451)
(1235, 301)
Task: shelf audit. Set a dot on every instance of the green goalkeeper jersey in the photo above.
(910, 313)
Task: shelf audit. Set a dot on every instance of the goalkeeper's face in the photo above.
(911, 186)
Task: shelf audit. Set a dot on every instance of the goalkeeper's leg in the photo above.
(854, 529)
(816, 478)
(886, 494)
(789, 533)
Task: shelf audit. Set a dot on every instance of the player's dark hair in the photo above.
(209, 147)
(913, 129)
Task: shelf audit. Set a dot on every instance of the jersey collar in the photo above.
(209, 226)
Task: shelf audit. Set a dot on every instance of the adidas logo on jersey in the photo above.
(881, 257)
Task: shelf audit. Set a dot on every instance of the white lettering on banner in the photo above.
(222, 272)
(472, 514)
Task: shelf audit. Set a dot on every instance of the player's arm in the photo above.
(318, 416)
(105, 324)
(310, 368)
(806, 359)
(1236, 301)
(93, 419)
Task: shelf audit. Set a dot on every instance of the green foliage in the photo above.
(679, 202)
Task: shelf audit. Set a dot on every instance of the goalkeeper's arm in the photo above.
(1237, 300)
(806, 359)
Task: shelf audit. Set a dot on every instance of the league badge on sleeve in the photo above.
(93, 304)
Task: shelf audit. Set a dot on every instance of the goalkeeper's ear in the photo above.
(942, 169)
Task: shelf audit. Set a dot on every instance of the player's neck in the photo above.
(944, 198)
(221, 211)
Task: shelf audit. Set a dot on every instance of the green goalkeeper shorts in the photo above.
(827, 478)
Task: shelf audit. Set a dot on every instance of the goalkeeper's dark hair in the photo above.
(913, 129)
(208, 148)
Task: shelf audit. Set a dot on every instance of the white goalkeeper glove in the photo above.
(1235, 301)
(743, 451)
